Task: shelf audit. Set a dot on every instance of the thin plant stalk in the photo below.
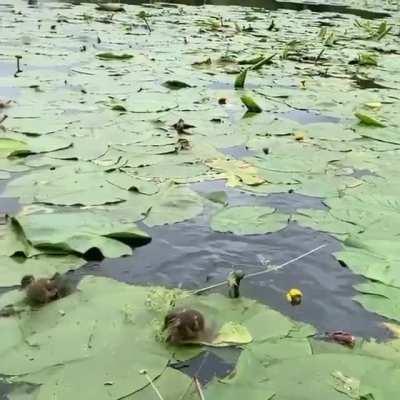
(195, 376)
(153, 386)
(198, 388)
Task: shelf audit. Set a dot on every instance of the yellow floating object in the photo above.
(294, 296)
(374, 105)
(299, 136)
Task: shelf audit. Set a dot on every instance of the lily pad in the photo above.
(80, 232)
(70, 184)
(13, 269)
(237, 172)
(249, 220)
(232, 333)
(173, 204)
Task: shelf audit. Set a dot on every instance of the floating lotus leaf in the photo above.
(248, 220)
(70, 184)
(171, 385)
(79, 232)
(13, 242)
(150, 102)
(132, 183)
(37, 126)
(377, 260)
(106, 126)
(238, 386)
(13, 269)
(172, 204)
(40, 144)
(232, 334)
(9, 146)
(237, 172)
(323, 221)
(379, 298)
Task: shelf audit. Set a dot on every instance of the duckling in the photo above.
(39, 291)
(184, 325)
(63, 285)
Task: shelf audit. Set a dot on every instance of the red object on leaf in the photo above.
(341, 337)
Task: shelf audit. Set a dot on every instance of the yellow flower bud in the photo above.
(294, 296)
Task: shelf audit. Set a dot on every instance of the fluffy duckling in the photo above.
(42, 291)
(184, 325)
(39, 291)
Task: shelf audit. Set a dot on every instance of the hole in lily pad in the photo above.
(237, 151)
(209, 365)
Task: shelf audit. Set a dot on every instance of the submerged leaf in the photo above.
(217, 197)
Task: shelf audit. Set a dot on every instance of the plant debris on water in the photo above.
(117, 111)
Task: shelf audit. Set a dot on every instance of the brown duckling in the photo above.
(39, 291)
(63, 284)
(184, 325)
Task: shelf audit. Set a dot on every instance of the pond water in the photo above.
(191, 255)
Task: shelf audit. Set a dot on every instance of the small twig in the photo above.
(198, 388)
(153, 386)
(81, 72)
(276, 268)
(147, 24)
(195, 376)
(319, 56)
(3, 118)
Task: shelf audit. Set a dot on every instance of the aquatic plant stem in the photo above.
(276, 268)
(195, 376)
(153, 386)
(197, 384)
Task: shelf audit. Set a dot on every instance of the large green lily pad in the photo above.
(13, 269)
(80, 232)
(172, 204)
(249, 220)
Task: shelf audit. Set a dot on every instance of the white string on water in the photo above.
(270, 269)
